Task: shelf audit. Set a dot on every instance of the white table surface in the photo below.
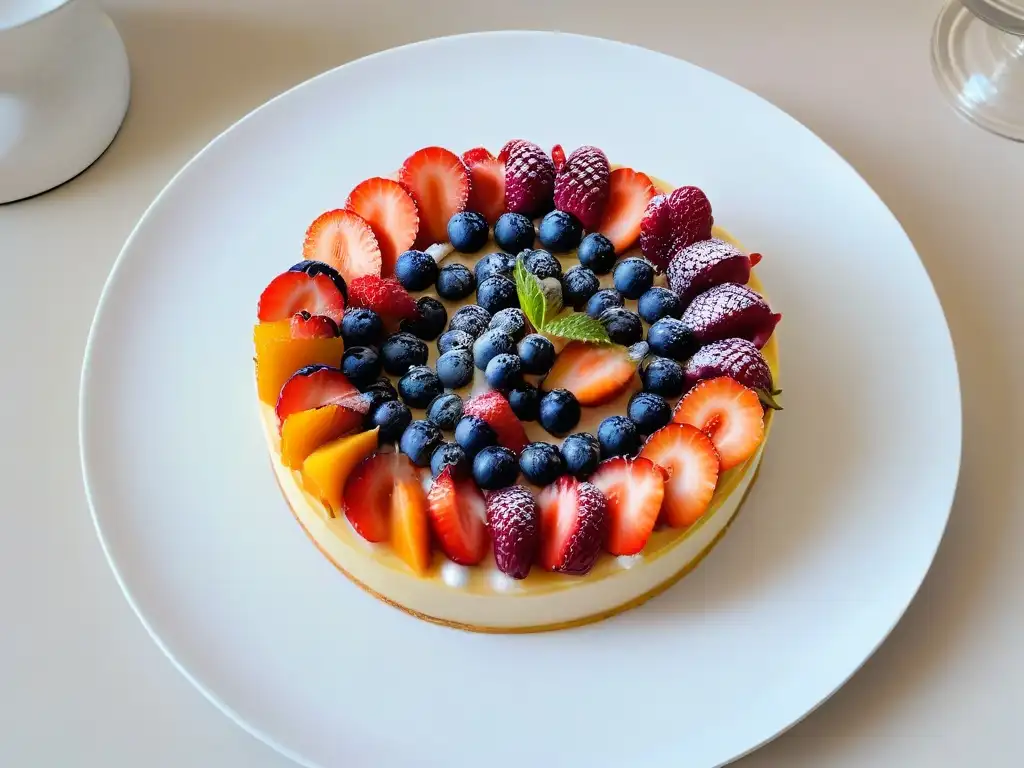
(81, 683)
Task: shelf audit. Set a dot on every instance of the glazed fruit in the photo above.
(410, 529)
(307, 326)
(305, 431)
(657, 303)
(313, 386)
(391, 214)
(672, 222)
(419, 386)
(513, 232)
(731, 311)
(727, 412)
(559, 411)
(649, 412)
(605, 299)
(497, 293)
(582, 185)
(597, 252)
(582, 454)
(326, 470)
(445, 410)
(541, 463)
(385, 297)
(497, 263)
(560, 232)
(705, 264)
(472, 319)
(618, 436)
(511, 320)
(401, 352)
(487, 183)
(495, 467)
(361, 365)
(391, 418)
(449, 455)
(537, 354)
(662, 376)
(629, 192)
(468, 231)
(529, 178)
(279, 355)
(542, 264)
(503, 371)
(455, 282)
(634, 490)
(458, 517)
(690, 459)
(737, 358)
(490, 345)
(672, 338)
(558, 157)
(624, 327)
(343, 240)
(525, 401)
(494, 409)
(455, 368)
(450, 340)
(313, 268)
(594, 373)
(419, 441)
(293, 292)
(416, 270)
(431, 317)
(514, 523)
(439, 183)
(473, 434)
(633, 277)
(573, 521)
(362, 327)
(578, 284)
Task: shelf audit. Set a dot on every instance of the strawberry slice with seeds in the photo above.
(458, 517)
(384, 501)
(392, 215)
(727, 412)
(494, 409)
(385, 296)
(629, 192)
(634, 489)
(487, 183)
(514, 521)
(343, 240)
(595, 373)
(558, 157)
(438, 181)
(292, 292)
(573, 521)
(581, 187)
(307, 326)
(691, 461)
(315, 386)
(674, 221)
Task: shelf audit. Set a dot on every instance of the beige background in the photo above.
(80, 681)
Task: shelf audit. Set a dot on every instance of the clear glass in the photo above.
(978, 58)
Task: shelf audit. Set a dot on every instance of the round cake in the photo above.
(519, 392)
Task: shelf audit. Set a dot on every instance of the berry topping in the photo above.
(455, 367)
(419, 441)
(541, 463)
(582, 453)
(649, 412)
(578, 284)
(487, 183)
(468, 231)
(633, 277)
(662, 376)
(431, 317)
(513, 232)
(362, 327)
(618, 436)
(419, 386)
(497, 263)
(672, 338)
(490, 345)
(416, 270)
(493, 408)
(537, 353)
(634, 489)
(305, 431)
(559, 412)
(449, 455)
(674, 221)
(495, 467)
(472, 319)
(343, 240)
(279, 355)
(361, 365)
(458, 516)
(603, 300)
(657, 303)
(628, 196)
(315, 386)
(401, 352)
(529, 178)
(704, 265)
(514, 521)
(450, 340)
(473, 434)
(560, 232)
(391, 214)
(384, 386)
(691, 461)
(445, 411)
(439, 183)
(326, 470)
(582, 186)
(624, 327)
(385, 297)
(558, 157)
(737, 358)
(573, 521)
(392, 417)
(503, 371)
(727, 412)
(525, 401)
(306, 326)
(731, 311)
(313, 268)
(455, 282)
(497, 293)
(370, 493)
(292, 292)
(594, 373)
(542, 264)
(597, 252)
(511, 320)
(506, 150)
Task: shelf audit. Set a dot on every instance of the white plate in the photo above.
(835, 540)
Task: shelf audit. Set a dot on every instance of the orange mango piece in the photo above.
(278, 356)
(326, 469)
(410, 532)
(305, 431)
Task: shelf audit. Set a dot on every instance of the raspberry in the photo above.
(730, 311)
(581, 187)
(674, 221)
(385, 296)
(737, 358)
(514, 521)
(529, 178)
(704, 265)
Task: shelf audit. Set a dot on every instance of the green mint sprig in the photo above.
(548, 319)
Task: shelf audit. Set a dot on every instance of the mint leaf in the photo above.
(577, 326)
(531, 295)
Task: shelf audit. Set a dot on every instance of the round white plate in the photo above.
(834, 541)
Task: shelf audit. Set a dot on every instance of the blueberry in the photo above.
(490, 345)
(496, 293)
(657, 303)
(606, 298)
(467, 231)
(361, 327)
(525, 401)
(472, 319)
(449, 455)
(445, 410)
(374, 399)
(419, 441)
(560, 232)
(503, 371)
(649, 412)
(455, 282)
(455, 368)
(541, 463)
(454, 340)
(542, 264)
(495, 467)
(618, 436)
(513, 232)
(578, 285)
(624, 327)
(416, 270)
(559, 411)
(419, 386)
(597, 252)
(497, 263)
(383, 385)
(474, 434)
(582, 454)
(401, 352)
(392, 417)
(511, 320)
(314, 268)
(537, 354)
(430, 319)
(670, 337)
(633, 277)
(662, 376)
(361, 365)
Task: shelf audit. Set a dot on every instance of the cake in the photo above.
(519, 392)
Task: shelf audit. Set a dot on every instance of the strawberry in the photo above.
(691, 461)
(529, 178)
(379, 493)
(384, 296)
(737, 358)
(487, 183)
(573, 521)
(514, 521)
(705, 264)
(581, 187)
(307, 326)
(392, 215)
(629, 192)
(293, 292)
(634, 489)
(315, 386)
(730, 311)
(594, 373)
(558, 157)
(674, 221)
(493, 408)
(727, 412)
(438, 181)
(458, 518)
(343, 240)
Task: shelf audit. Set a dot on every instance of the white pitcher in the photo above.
(64, 87)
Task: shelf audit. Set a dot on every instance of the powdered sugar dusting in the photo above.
(454, 575)
(440, 251)
(728, 311)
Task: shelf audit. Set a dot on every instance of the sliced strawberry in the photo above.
(573, 521)
(487, 183)
(293, 292)
(458, 516)
(385, 296)
(391, 213)
(595, 373)
(368, 492)
(343, 240)
(307, 326)
(315, 386)
(581, 187)
(727, 412)
(438, 181)
(691, 461)
(629, 192)
(558, 157)
(494, 409)
(635, 489)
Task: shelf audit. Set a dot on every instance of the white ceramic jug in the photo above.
(64, 87)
